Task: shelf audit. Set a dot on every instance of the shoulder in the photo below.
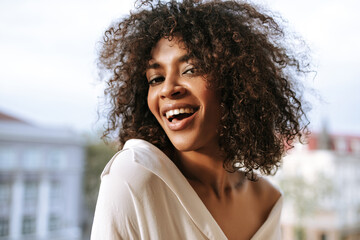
(266, 195)
(265, 191)
(115, 215)
(134, 172)
(130, 161)
(269, 202)
(124, 181)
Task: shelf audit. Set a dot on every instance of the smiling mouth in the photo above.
(179, 114)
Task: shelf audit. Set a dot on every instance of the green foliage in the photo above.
(306, 195)
(299, 233)
(97, 156)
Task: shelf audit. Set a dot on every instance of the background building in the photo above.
(321, 184)
(40, 181)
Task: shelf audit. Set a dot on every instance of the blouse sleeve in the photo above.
(115, 216)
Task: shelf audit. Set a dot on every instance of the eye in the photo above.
(156, 80)
(189, 70)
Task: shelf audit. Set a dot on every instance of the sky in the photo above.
(48, 72)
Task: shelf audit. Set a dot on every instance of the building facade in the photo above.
(321, 184)
(40, 182)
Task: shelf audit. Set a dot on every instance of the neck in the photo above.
(205, 170)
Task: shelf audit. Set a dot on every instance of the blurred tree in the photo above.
(306, 196)
(97, 156)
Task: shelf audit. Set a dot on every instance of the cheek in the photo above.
(212, 101)
(211, 97)
(151, 102)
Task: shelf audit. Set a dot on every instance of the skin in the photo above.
(173, 83)
(238, 205)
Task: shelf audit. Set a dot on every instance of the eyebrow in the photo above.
(183, 58)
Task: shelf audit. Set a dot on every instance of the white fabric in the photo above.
(143, 195)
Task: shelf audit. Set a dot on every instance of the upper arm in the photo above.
(115, 216)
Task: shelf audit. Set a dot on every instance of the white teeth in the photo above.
(178, 111)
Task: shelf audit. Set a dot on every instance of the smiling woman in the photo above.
(202, 101)
(174, 87)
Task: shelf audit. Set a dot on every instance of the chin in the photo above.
(183, 144)
(183, 147)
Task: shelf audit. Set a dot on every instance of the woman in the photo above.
(203, 100)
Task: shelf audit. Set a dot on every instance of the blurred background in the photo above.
(51, 156)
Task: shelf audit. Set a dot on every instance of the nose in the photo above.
(172, 88)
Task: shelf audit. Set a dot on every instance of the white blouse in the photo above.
(143, 195)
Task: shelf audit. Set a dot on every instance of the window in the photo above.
(355, 146)
(5, 195)
(31, 190)
(7, 159)
(28, 225)
(56, 205)
(340, 144)
(4, 227)
(56, 196)
(30, 196)
(56, 160)
(54, 222)
(55, 192)
(32, 159)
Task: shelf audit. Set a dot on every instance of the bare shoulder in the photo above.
(265, 194)
(264, 188)
(265, 191)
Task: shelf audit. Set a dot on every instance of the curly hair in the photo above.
(240, 47)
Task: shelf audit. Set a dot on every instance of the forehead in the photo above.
(165, 50)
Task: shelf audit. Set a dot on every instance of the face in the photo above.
(187, 110)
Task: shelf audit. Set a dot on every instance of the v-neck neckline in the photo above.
(166, 169)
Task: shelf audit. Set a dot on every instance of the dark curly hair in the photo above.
(240, 47)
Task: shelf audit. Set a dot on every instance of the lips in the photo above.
(178, 117)
(179, 113)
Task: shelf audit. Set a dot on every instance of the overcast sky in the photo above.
(47, 58)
